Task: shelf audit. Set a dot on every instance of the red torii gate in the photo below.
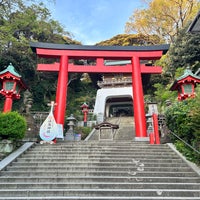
(100, 53)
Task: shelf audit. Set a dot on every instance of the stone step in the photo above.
(103, 150)
(99, 179)
(116, 153)
(94, 168)
(100, 173)
(101, 144)
(102, 185)
(96, 158)
(96, 149)
(99, 192)
(100, 198)
(98, 143)
(88, 149)
(132, 161)
(95, 164)
(103, 156)
(91, 164)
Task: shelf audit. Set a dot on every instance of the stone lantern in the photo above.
(12, 84)
(70, 133)
(185, 85)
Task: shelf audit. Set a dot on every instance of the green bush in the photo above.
(12, 126)
(183, 119)
(84, 131)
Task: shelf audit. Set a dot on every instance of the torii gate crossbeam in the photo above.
(100, 54)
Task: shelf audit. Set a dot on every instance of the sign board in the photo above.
(153, 108)
(49, 130)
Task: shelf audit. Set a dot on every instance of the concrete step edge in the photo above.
(129, 171)
(99, 198)
(102, 190)
(90, 169)
(103, 177)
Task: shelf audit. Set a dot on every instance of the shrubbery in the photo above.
(84, 131)
(183, 119)
(12, 126)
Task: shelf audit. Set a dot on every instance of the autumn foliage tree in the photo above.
(130, 40)
(163, 18)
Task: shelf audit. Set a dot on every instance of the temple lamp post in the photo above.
(11, 86)
(185, 85)
(84, 108)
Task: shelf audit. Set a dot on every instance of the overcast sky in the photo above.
(92, 21)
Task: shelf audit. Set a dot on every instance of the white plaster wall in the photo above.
(105, 93)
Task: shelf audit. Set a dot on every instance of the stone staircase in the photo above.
(125, 132)
(100, 170)
(126, 129)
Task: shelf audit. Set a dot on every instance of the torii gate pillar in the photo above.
(61, 93)
(138, 102)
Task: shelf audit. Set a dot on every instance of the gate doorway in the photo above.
(119, 106)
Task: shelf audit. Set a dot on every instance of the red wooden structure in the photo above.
(100, 54)
(84, 108)
(185, 85)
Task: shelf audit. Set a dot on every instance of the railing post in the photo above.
(151, 138)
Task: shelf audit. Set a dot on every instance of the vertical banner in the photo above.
(60, 131)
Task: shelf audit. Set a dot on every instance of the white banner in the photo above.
(49, 130)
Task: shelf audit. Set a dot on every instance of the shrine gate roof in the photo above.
(35, 45)
(100, 53)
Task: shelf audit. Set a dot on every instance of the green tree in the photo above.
(22, 22)
(184, 52)
(130, 40)
(162, 94)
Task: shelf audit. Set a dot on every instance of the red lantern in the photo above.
(11, 86)
(185, 85)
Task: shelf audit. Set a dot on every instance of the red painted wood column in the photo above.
(138, 99)
(8, 104)
(61, 93)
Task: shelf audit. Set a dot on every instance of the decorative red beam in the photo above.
(100, 68)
